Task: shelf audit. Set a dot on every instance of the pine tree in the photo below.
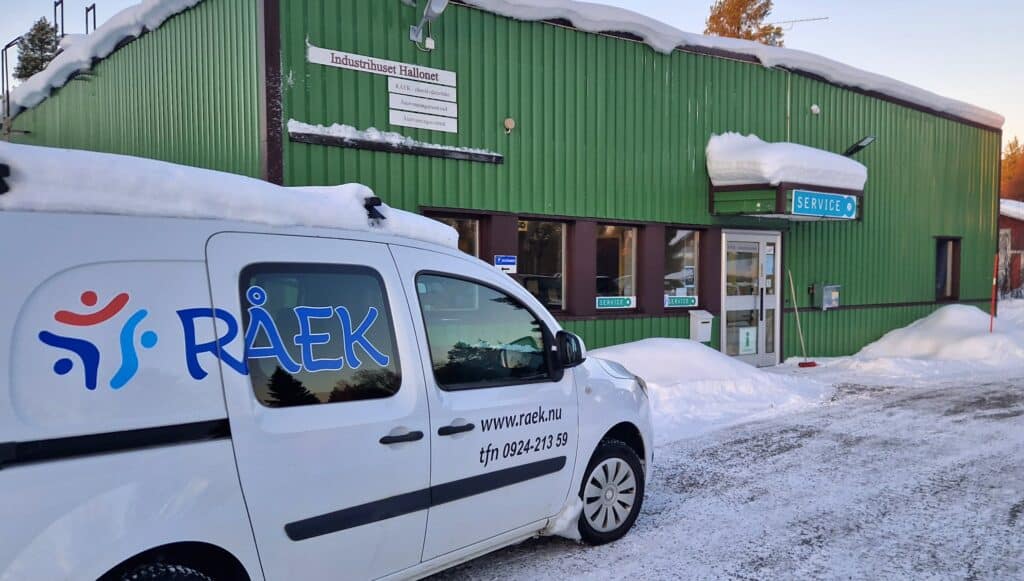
(36, 49)
(743, 19)
(1012, 183)
(284, 390)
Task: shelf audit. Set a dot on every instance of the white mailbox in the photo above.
(700, 325)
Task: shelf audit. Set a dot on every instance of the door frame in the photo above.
(776, 236)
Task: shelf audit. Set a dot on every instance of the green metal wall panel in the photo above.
(605, 127)
(187, 93)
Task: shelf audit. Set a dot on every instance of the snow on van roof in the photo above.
(735, 160)
(45, 179)
(592, 17)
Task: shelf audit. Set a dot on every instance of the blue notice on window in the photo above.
(506, 263)
(823, 205)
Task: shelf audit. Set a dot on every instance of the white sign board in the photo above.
(421, 121)
(422, 90)
(427, 106)
(366, 64)
(748, 340)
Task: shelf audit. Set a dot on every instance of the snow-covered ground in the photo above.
(910, 466)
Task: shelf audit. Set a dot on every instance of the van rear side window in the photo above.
(318, 334)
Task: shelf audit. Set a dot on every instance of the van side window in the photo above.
(317, 334)
(479, 336)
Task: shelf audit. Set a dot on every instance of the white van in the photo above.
(205, 379)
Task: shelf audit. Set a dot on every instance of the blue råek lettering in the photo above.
(263, 340)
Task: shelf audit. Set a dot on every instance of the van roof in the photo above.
(44, 179)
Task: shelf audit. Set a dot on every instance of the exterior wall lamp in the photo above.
(856, 147)
(431, 12)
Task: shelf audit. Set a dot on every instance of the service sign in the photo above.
(616, 302)
(824, 205)
(674, 301)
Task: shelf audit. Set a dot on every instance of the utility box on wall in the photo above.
(700, 325)
(826, 296)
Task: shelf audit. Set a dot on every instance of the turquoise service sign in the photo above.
(822, 205)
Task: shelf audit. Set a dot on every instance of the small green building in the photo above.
(572, 151)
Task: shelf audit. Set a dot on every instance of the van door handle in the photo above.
(410, 437)
(449, 430)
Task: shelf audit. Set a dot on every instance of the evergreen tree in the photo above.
(743, 19)
(285, 390)
(36, 49)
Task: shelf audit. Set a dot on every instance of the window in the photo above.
(541, 261)
(947, 269)
(318, 334)
(469, 233)
(680, 279)
(616, 267)
(478, 336)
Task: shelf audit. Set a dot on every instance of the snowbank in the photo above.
(80, 51)
(695, 388)
(950, 344)
(663, 38)
(734, 160)
(1012, 209)
(63, 180)
(349, 133)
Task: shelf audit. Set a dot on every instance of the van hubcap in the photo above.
(609, 495)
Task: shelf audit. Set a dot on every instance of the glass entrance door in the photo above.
(751, 296)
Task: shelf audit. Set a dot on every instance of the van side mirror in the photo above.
(571, 351)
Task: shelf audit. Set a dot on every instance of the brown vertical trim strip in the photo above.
(650, 270)
(710, 274)
(274, 170)
(502, 237)
(581, 269)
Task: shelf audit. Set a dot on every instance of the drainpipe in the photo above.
(789, 105)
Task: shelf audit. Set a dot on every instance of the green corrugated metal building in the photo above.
(575, 158)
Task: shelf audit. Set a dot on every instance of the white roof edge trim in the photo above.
(664, 38)
(45, 179)
(81, 50)
(738, 160)
(1012, 209)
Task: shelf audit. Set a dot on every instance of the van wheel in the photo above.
(611, 493)
(165, 572)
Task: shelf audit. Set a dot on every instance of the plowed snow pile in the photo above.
(953, 342)
(695, 389)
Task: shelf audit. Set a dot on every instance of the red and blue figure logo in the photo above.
(88, 354)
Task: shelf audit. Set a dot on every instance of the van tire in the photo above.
(165, 572)
(614, 470)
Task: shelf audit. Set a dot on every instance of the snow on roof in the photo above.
(1012, 209)
(150, 14)
(349, 133)
(736, 160)
(47, 179)
(81, 50)
(664, 38)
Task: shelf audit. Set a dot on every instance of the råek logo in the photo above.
(88, 354)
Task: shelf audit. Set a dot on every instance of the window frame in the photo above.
(565, 225)
(300, 268)
(953, 273)
(698, 267)
(554, 372)
(638, 272)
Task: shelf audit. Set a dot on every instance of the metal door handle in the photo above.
(762, 303)
(449, 430)
(410, 437)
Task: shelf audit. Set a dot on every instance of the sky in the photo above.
(970, 51)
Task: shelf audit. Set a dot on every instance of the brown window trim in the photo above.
(499, 235)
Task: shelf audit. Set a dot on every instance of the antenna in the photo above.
(797, 21)
(4, 63)
(88, 9)
(59, 4)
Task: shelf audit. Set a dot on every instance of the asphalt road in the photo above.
(880, 482)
